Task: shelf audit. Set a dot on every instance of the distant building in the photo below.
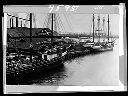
(24, 43)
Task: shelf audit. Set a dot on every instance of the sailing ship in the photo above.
(101, 46)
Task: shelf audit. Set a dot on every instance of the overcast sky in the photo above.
(76, 23)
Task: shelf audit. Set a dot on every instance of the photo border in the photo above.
(117, 9)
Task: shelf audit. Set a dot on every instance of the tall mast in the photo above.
(108, 27)
(93, 27)
(55, 27)
(30, 37)
(98, 27)
(52, 31)
(111, 36)
(103, 26)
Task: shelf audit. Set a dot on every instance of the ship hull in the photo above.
(38, 68)
(102, 49)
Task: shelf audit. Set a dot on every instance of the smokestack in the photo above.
(16, 21)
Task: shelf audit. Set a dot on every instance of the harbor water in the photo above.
(100, 69)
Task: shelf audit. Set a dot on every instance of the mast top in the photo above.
(98, 18)
(93, 18)
(103, 19)
(108, 28)
(108, 18)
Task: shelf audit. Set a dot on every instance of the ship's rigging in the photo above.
(99, 30)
